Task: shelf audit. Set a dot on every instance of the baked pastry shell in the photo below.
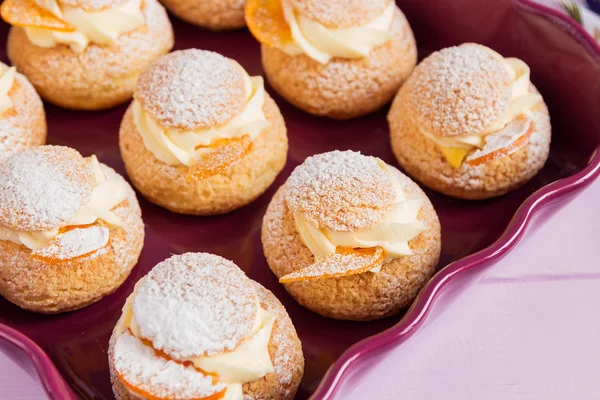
(421, 158)
(24, 124)
(344, 88)
(38, 286)
(100, 76)
(168, 186)
(210, 14)
(285, 351)
(361, 297)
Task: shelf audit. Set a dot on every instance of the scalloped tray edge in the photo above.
(57, 388)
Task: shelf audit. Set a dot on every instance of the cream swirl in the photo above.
(249, 361)
(456, 148)
(178, 147)
(106, 195)
(7, 81)
(100, 27)
(399, 226)
(322, 43)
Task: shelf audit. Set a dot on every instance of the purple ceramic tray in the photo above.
(69, 351)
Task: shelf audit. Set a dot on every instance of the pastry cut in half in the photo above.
(342, 59)
(202, 137)
(196, 327)
(85, 54)
(210, 14)
(351, 237)
(469, 123)
(22, 116)
(70, 229)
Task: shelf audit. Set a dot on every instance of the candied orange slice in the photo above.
(148, 384)
(346, 261)
(74, 243)
(220, 156)
(267, 23)
(147, 395)
(27, 14)
(504, 142)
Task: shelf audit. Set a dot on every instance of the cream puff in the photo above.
(70, 229)
(351, 237)
(22, 116)
(196, 327)
(85, 54)
(342, 60)
(470, 124)
(210, 14)
(202, 137)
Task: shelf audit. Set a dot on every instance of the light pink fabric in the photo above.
(528, 328)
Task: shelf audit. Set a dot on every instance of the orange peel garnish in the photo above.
(50, 254)
(27, 14)
(146, 395)
(346, 261)
(516, 134)
(267, 23)
(222, 154)
(161, 354)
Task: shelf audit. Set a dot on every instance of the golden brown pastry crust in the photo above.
(422, 159)
(362, 297)
(24, 125)
(211, 14)
(340, 13)
(192, 89)
(459, 90)
(37, 286)
(168, 186)
(92, 5)
(21, 208)
(100, 76)
(285, 351)
(344, 88)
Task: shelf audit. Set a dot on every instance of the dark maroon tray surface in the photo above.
(565, 65)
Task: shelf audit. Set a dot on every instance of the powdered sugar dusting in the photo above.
(140, 367)
(337, 265)
(340, 190)
(43, 187)
(459, 90)
(74, 243)
(92, 5)
(195, 304)
(191, 89)
(340, 13)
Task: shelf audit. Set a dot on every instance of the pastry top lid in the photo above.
(459, 90)
(341, 191)
(340, 13)
(192, 89)
(41, 188)
(140, 367)
(195, 304)
(90, 5)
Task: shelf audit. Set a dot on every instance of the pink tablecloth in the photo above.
(527, 328)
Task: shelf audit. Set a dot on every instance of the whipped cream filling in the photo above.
(100, 27)
(106, 195)
(522, 101)
(249, 361)
(393, 233)
(7, 79)
(178, 147)
(322, 43)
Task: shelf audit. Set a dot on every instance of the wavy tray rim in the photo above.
(57, 388)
